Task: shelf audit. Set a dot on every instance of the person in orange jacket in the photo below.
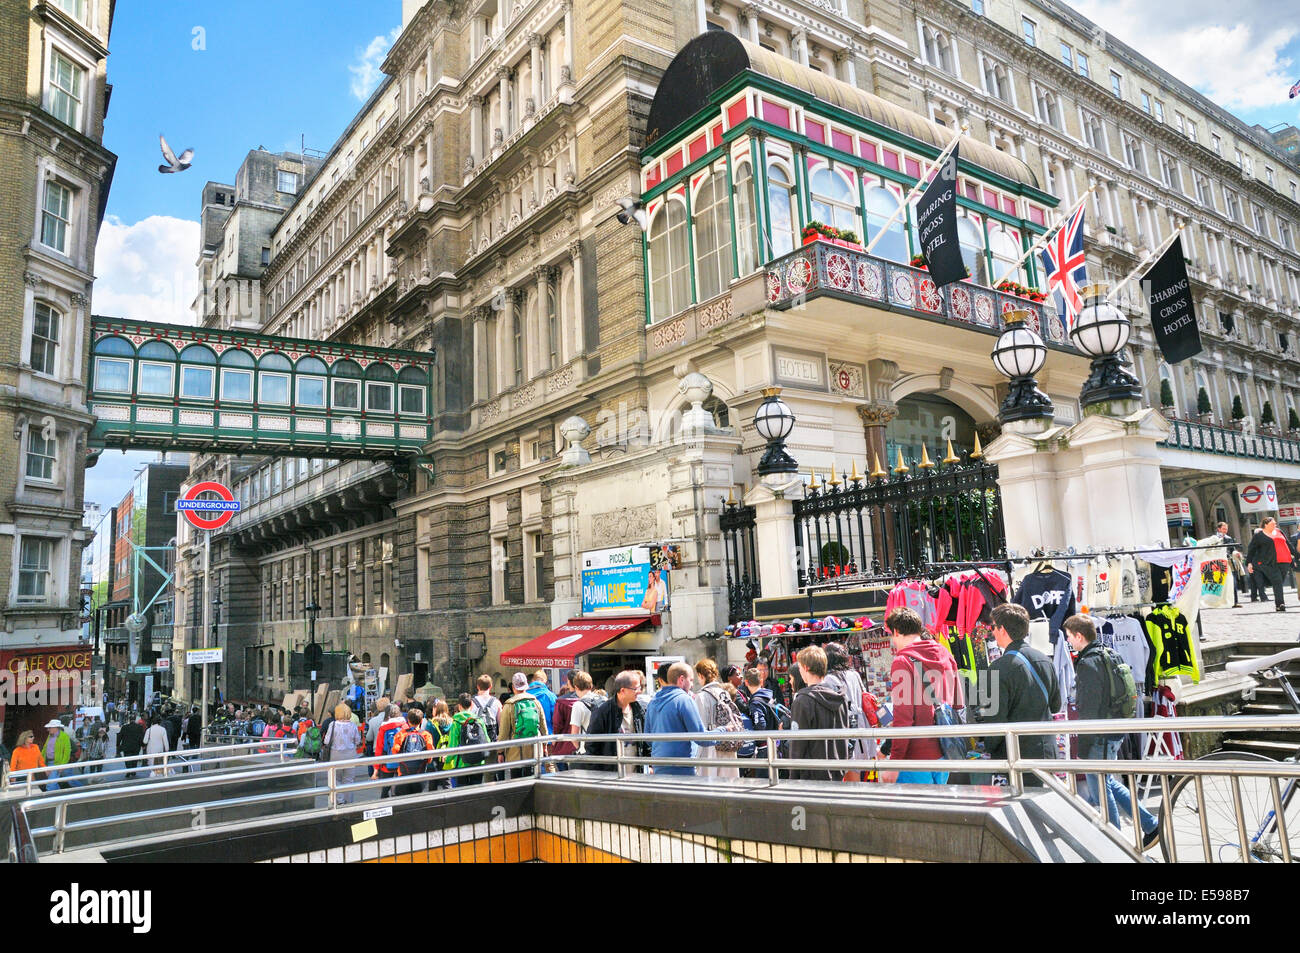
(27, 754)
(421, 740)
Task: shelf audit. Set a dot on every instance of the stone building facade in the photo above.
(55, 176)
(469, 210)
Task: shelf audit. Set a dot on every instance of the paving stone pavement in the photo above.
(1253, 621)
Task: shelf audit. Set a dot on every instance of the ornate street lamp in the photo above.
(1020, 354)
(774, 420)
(1101, 331)
(312, 656)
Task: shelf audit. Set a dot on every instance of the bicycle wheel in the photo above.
(1257, 805)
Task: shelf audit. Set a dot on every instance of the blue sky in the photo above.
(303, 69)
(271, 72)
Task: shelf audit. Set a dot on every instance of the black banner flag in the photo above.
(936, 225)
(1173, 316)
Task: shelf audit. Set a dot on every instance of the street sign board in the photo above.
(194, 508)
(164, 664)
(202, 656)
(142, 669)
(1257, 497)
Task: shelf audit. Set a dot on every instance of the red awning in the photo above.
(559, 647)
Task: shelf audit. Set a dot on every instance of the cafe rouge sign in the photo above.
(51, 660)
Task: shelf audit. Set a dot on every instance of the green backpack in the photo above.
(310, 745)
(528, 719)
(1123, 687)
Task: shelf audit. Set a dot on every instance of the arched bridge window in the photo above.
(237, 376)
(113, 359)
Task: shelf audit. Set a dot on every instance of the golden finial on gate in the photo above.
(926, 463)
(952, 457)
(877, 471)
(902, 467)
(978, 451)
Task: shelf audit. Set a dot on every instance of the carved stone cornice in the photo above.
(877, 414)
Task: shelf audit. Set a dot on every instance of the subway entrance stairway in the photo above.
(595, 817)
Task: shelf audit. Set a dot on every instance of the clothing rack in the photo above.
(1055, 554)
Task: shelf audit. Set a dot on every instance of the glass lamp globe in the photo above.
(1019, 352)
(774, 419)
(1101, 329)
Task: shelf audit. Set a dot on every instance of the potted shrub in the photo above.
(1203, 407)
(1238, 412)
(1166, 394)
(918, 261)
(1021, 291)
(1266, 418)
(820, 231)
(1292, 419)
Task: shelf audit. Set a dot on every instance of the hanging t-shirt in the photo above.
(1098, 595)
(1218, 588)
(1124, 582)
(1048, 595)
(1125, 635)
(1064, 667)
(1175, 648)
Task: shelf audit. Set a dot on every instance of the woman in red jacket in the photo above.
(914, 694)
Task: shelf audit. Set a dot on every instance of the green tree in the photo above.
(1203, 402)
(1266, 415)
(1238, 412)
(1166, 393)
(1292, 419)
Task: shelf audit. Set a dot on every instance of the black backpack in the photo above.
(472, 732)
(486, 715)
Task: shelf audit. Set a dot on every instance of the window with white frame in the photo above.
(1268, 175)
(74, 8)
(1204, 191)
(1048, 107)
(286, 182)
(1169, 172)
(938, 48)
(834, 199)
(34, 558)
(882, 204)
(1284, 234)
(1029, 30)
(1191, 130)
(1261, 224)
(1083, 65)
(500, 568)
(1133, 154)
(1116, 84)
(45, 338)
(1160, 111)
(670, 273)
(536, 567)
(746, 226)
(1094, 133)
(1232, 204)
(1067, 55)
(66, 90)
(997, 80)
(712, 236)
(56, 216)
(42, 453)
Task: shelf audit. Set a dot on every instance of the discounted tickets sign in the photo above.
(624, 579)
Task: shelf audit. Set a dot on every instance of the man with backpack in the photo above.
(385, 738)
(763, 715)
(412, 738)
(1105, 688)
(522, 716)
(573, 714)
(467, 729)
(922, 675)
(539, 690)
(1027, 689)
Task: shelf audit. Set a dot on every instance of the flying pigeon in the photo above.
(174, 164)
(632, 211)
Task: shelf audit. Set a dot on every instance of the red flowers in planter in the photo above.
(1020, 291)
(814, 231)
(918, 261)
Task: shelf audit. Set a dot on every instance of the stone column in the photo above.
(844, 60)
(579, 319)
(799, 45)
(506, 351)
(535, 52)
(543, 349)
(875, 418)
(569, 38)
(503, 86)
(750, 14)
(778, 558)
(481, 386)
(476, 150)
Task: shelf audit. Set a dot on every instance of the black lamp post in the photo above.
(1101, 331)
(774, 420)
(313, 654)
(1020, 354)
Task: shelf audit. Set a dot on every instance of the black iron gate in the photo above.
(896, 523)
(740, 551)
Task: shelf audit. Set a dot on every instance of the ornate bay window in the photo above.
(670, 277)
(713, 262)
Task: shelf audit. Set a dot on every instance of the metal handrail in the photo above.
(1013, 765)
(35, 779)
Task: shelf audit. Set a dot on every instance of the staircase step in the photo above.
(1279, 750)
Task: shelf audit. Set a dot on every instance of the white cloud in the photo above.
(148, 270)
(365, 71)
(145, 271)
(1234, 54)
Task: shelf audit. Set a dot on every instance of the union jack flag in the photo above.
(1295, 91)
(1063, 263)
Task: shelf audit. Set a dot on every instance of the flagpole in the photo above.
(920, 186)
(1042, 239)
(1110, 298)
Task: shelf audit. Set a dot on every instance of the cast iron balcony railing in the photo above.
(1207, 438)
(823, 268)
(871, 526)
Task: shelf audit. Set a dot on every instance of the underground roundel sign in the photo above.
(208, 513)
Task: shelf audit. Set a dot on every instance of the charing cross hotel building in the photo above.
(469, 211)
